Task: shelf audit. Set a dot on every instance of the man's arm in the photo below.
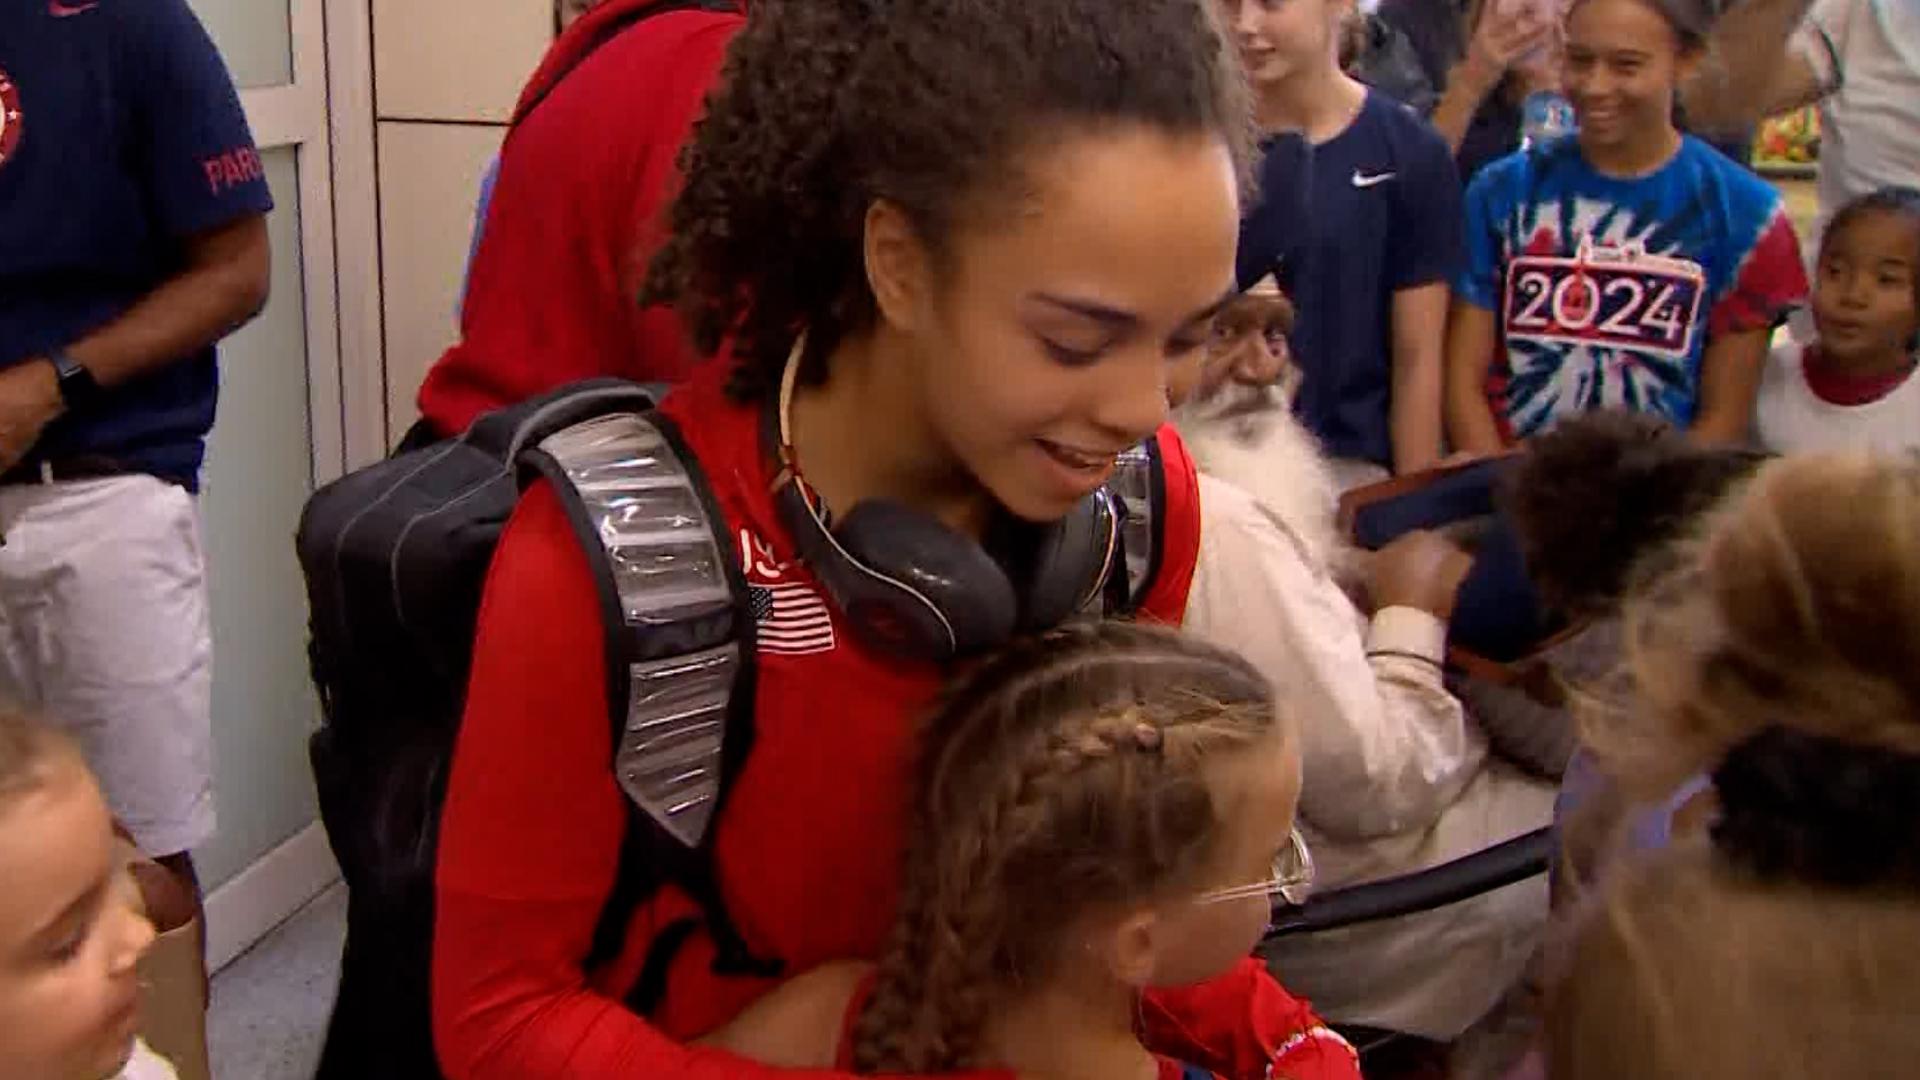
(1729, 381)
(224, 283)
(1386, 749)
(1419, 333)
(1756, 66)
(1470, 343)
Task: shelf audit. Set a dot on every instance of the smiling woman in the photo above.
(1628, 267)
(961, 242)
(950, 257)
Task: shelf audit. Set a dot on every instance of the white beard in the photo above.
(1248, 437)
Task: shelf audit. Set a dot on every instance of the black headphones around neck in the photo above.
(913, 588)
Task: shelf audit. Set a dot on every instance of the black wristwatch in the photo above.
(77, 386)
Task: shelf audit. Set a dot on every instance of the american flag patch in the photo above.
(791, 619)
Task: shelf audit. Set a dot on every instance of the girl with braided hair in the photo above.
(946, 258)
(1782, 659)
(1098, 811)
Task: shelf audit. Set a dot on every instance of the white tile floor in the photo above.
(270, 1006)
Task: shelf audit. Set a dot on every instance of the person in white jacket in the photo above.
(1396, 776)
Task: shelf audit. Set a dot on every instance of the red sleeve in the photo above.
(1243, 1026)
(1166, 598)
(530, 838)
(1771, 282)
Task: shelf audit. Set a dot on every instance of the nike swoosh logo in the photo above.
(1362, 180)
(61, 9)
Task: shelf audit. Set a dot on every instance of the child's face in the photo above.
(71, 933)
(1863, 298)
(1258, 793)
(1279, 39)
(1622, 62)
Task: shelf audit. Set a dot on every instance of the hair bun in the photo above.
(1817, 810)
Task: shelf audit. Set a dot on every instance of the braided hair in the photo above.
(826, 106)
(1067, 766)
(1781, 657)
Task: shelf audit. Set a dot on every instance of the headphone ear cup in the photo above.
(1071, 562)
(911, 587)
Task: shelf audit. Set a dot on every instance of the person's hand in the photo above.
(1538, 69)
(798, 1024)
(1503, 39)
(1418, 570)
(29, 401)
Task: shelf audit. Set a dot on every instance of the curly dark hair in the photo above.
(827, 105)
(1599, 493)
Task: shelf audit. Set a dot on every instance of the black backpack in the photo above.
(395, 557)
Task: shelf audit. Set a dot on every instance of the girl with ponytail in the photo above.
(946, 257)
(1782, 659)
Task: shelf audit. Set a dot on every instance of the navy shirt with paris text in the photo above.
(121, 138)
(1343, 225)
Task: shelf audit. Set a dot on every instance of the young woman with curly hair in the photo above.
(947, 257)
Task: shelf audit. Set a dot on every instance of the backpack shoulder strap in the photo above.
(505, 434)
(670, 608)
(679, 647)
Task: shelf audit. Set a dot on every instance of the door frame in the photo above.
(294, 115)
(325, 115)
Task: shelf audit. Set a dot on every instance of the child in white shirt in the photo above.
(1853, 387)
(72, 924)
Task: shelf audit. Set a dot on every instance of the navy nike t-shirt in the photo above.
(1344, 225)
(121, 136)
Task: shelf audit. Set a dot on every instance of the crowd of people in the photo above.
(1016, 797)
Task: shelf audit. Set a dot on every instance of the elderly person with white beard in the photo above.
(1397, 777)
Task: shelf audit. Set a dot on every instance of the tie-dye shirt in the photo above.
(1607, 291)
